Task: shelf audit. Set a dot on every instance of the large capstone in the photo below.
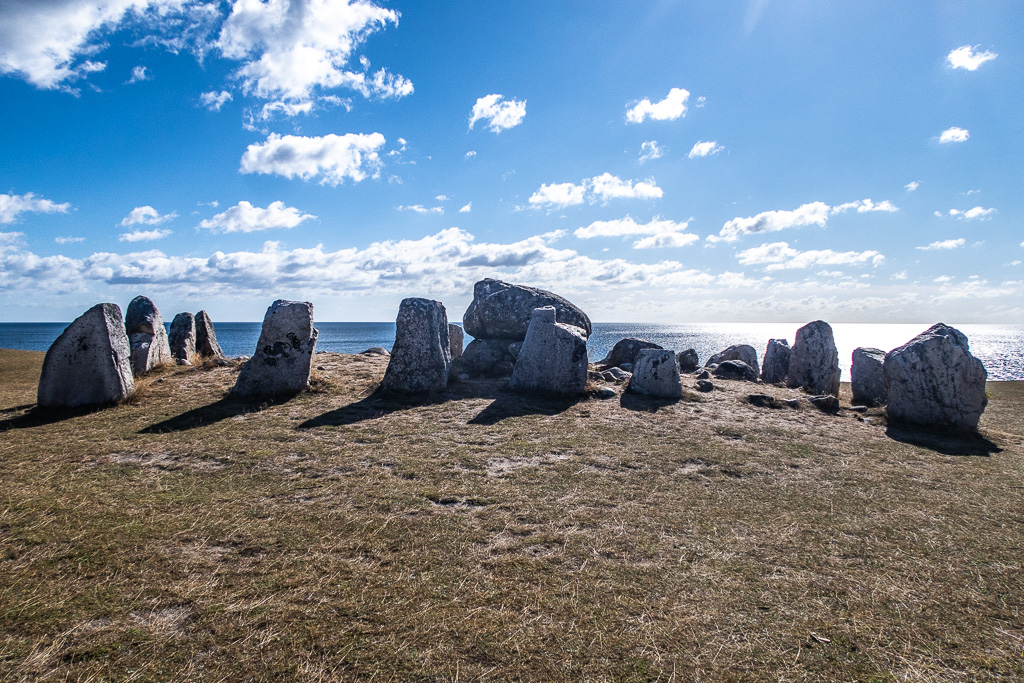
(89, 363)
(814, 362)
(626, 350)
(489, 357)
(283, 359)
(147, 335)
(553, 358)
(206, 337)
(866, 376)
(656, 373)
(422, 356)
(502, 311)
(934, 380)
(776, 361)
(743, 352)
(457, 338)
(182, 337)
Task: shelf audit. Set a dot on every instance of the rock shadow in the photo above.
(40, 417)
(643, 403)
(223, 409)
(942, 441)
(508, 404)
(376, 405)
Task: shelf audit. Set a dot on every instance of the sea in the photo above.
(1000, 347)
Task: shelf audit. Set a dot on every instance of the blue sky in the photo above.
(652, 161)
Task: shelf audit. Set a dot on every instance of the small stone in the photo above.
(762, 400)
(705, 385)
(792, 403)
(703, 374)
(606, 393)
(375, 351)
(826, 403)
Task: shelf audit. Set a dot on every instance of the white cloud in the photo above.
(470, 154)
(665, 241)
(954, 134)
(606, 186)
(144, 235)
(668, 109)
(467, 208)
(501, 114)
(215, 100)
(68, 240)
(13, 205)
(244, 217)
(559, 195)
(866, 205)
(442, 197)
(332, 157)
(650, 149)
(814, 213)
(139, 73)
(942, 279)
(902, 275)
(977, 213)
(943, 245)
(780, 256)
(420, 209)
(628, 226)
(146, 215)
(965, 57)
(912, 185)
(599, 188)
(703, 149)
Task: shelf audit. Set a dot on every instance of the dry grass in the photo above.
(344, 535)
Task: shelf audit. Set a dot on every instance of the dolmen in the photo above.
(283, 359)
(146, 336)
(814, 360)
(421, 357)
(206, 338)
(625, 352)
(553, 358)
(933, 380)
(867, 378)
(656, 373)
(775, 366)
(500, 315)
(89, 363)
(182, 338)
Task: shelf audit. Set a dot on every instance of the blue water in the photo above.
(1000, 347)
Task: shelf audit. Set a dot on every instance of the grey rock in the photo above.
(283, 359)
(628, 367)
(502, 311)
(776, 362)
(826, 403)
(606, 393)
(147, 336)
(89, 363)
(688, 360)
(625, 351)
(762, 401)
(656, 373)
(553, 358)
(375, 351)
(488, 357)
(814, 362)
(206, 337)
(934, 380)
(743, 352)
(616, 375)
(705, 385)
(182, 337)
(704, 374)
(736, 370)
(866, 376)
(792, 403)
(422, 355)
(457, 338)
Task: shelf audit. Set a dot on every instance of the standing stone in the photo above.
(422, 355)
(206, 337)
(776, 361)
(743, 352)
(182, 338)
(89, 363)
(688, 360)
(867, 378)
(934, 380)
(283, 359)
(502, 311)
(656, 373)
(553, 358)
(814, 361)
(147, 335)
(456, 336)
(625, 351)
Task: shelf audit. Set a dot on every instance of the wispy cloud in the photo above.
(780, 256)
(943, 245)
(599, 188)
(139, 73)
(650, 149)
(420, 209)
(911, 186)
(813, 213)
(214, 100)
(13, 205)
(703, 149)
(144, 235)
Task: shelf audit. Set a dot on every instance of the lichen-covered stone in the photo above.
(421, 358)
(814, 361)
(553, 358)
(182, 337)
(283, 359)
(775, 366)
(867, 378)
(502, 311)
(656, 373)
(147, 336)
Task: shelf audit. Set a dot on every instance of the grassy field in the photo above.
(483, 536)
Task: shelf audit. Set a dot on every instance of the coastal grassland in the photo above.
(480, 535)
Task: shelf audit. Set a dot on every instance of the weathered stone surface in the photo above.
(502, 311)
(457, 338)
(814, 361)
(866, 377)
(688, 360)
(182, 337)
(656, 373)
(89, 363)
(283, 359)
(147, 335)
(735, 369)
(553, 358)
(375, 351)
(206, 337)
(615, 375)
(488, 357)
(625, 351)
(743, 352)
(421, 358)
(934, 380)
(776, 361)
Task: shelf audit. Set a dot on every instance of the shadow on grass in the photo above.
(39, 417)
(508, 404)
(643, 403)
(941, 441)
(226, 408)
(376, 405)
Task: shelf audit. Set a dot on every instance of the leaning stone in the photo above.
(934, 380)
(735, 369)
(182, 338)
(147, 335)
(456, 336)
(553, 358)
(688, 360)
(89, 363)
(421, 358)
(814, 362)
(283, 359)
(206, 337)
(487, 357)
(743, 352)
(502, 311)
(625, 351)
(866, 376)
(656, 373)
(776, 362)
